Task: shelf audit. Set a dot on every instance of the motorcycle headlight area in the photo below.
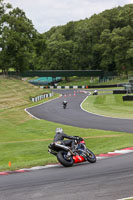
(81, 146)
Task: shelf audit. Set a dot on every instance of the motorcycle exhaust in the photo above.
(62, 146)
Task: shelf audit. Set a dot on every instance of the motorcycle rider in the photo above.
(60, 135)
(64, 103)
(95, 92)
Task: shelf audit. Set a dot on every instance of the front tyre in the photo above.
(64, 160)
(90, 156)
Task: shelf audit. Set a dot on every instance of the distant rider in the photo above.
(64, 103)
(95, 92)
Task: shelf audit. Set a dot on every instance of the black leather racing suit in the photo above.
(60, 137)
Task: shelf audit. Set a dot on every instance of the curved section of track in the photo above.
(73, 115)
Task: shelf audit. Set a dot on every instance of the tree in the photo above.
(39, 57)
(3, 10)
(121, 39)
(17, 39)
(59, 55)
(69, 30)
(105, 47)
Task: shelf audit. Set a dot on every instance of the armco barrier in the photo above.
(128, 98)
(38, 98)
(119, 91)
(82, 86)
(64, 87)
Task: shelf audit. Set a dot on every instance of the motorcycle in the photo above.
(67, 156)
(64, 105)
(95, 92)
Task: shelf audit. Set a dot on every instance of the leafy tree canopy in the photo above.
(104, 41)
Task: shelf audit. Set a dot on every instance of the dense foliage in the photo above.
(18, 39)
(104, 41)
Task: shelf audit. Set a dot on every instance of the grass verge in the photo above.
(109, 105)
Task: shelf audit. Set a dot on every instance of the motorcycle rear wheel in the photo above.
(90, 156)
(61, 156)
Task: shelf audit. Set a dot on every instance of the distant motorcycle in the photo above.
(64, 104)
(67, 157)
(95, 92)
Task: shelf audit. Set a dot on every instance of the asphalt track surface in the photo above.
(107, 179)
(73, 115)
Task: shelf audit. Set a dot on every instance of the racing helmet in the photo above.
(59, 130)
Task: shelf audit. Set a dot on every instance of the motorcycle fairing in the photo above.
(78, 159)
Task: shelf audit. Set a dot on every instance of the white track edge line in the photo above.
(125, 198)
(38, 105)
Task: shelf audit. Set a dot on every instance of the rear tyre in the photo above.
(62, 158)
(90, 156)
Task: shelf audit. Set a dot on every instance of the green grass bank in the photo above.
(109, 105)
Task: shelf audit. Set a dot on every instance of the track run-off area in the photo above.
(107, 179)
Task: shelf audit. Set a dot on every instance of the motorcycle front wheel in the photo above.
(90, 156)
(64, 160)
